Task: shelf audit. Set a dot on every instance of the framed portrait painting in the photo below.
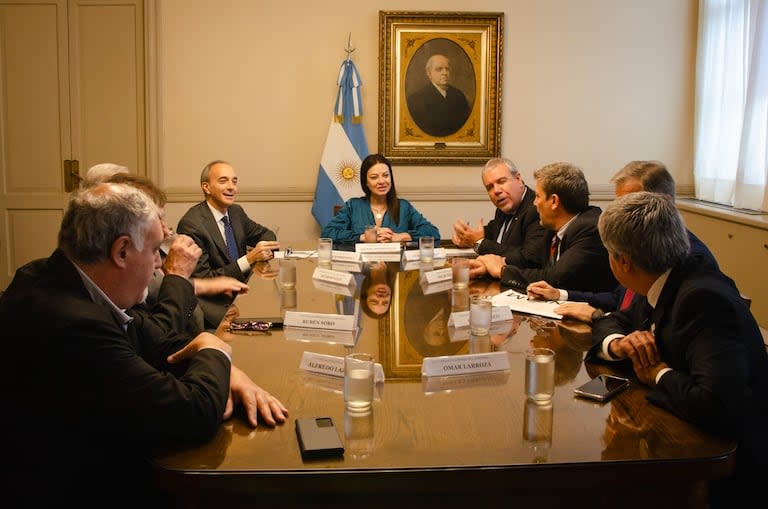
(440, 87)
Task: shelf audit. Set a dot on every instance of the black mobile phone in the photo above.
(602, 387)
(318, 438)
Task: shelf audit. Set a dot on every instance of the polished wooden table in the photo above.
(468, 440)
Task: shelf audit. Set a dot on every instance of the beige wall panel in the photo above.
(742, 252)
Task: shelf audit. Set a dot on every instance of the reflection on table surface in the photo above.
(424, 433)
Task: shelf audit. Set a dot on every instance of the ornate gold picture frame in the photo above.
(440, 87)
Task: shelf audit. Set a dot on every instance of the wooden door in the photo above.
(72, 94)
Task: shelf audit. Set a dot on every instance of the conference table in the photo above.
(462, 440)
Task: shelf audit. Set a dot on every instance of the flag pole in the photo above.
(349, 49)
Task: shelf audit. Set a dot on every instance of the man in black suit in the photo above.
(651, 176)
(94, 387)
(205, 223)
(438, 108)
(515, 232)
(571, 253)
(691, 339)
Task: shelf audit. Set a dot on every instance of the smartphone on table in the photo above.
(602, 387)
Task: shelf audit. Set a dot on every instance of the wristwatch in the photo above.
(476, 247)
(597, 314)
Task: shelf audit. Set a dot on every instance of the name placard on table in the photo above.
(333, 365)
(378, 247)
(437, 276)
(414, 255)
(449, 365)
(335, 277)
(319, 320)
(345, 256)
(341, 337)
(498, 314)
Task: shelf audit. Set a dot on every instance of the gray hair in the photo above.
(500, 161)
(101, 173)
(98, 215)
(652, 175)
(431, 61)
(206, 173)
(567, 181)
(647, 228)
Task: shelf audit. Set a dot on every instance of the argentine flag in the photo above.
(345, 147)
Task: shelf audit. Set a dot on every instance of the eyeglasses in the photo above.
(250, 325)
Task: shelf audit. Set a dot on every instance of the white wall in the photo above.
(596, 82)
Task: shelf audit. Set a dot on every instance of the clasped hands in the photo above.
(640, 347)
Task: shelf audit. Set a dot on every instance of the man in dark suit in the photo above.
(438, 108)
(691, 338)
(651, 176)
(91, 386)
(205, 223)
(572, 255)
(515, 232)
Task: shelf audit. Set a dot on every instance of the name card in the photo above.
(333, 365)
(319, 320)
(345, 256)
(335, 277)
(452, 383)
(449, 365)
(430, 288)
(341, 337)
(378, 247)
(346, 266)
(333, 288)
(437, 276)
(413, 255)
(498, 314)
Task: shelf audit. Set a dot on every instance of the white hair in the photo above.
(101, 172)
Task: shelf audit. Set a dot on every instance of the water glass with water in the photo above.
(539, 374)
(426, 249)
(358, 382)
(324, 251)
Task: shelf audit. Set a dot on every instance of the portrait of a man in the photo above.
(438, 107)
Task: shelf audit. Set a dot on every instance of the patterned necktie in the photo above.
(553, 249)
(229, 236)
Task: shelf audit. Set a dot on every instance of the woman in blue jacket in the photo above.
(396, 220)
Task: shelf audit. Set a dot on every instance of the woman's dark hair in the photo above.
(393, 203)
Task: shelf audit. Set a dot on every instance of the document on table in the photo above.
(519, 302)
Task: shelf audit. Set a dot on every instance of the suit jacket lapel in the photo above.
(209, 222)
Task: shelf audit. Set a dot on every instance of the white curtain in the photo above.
(731, 126)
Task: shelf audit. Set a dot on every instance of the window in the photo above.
(731, 124)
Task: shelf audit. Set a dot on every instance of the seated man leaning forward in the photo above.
(572, 255)
(515, 231)
(691, 339)
(95, 388)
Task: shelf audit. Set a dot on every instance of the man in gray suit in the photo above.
(206, 223)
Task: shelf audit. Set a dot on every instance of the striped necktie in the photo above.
(553, 249)
(229, 236)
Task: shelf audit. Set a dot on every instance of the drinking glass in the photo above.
(539, 374)
(324, 251)
(426, 249)
(358, 381)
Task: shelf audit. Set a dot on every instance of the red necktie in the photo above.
(553, 249)
(628, 296)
